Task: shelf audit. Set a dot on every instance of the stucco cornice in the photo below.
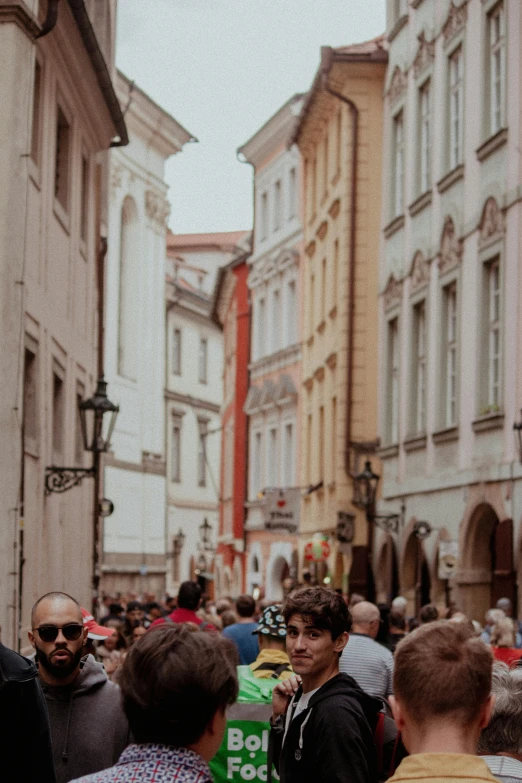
(274, 133)
(20, 15)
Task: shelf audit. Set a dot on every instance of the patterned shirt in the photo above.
(369, 663)
(154, 764)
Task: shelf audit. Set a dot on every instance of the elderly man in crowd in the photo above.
(364, 659)
(500, 744)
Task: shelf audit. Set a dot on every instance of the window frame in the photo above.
(425, 128)
(393, 374)
(499, 47)
(176, 429)
(203, 360)
(63, 211)
(177, 351)
(419, 355)
(455, 151)
(449, 347)
(398, 179)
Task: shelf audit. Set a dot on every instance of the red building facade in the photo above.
(231, 311)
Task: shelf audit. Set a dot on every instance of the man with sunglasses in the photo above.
(88, 727)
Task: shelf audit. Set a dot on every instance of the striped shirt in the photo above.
(369, 663)
(504, 768)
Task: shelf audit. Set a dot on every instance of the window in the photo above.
(398, 164)
(264, 215)
(203, 360)
(326, 161)
(312, 303)
(289, 456)
(261, 318)
(78, 436)
(175, 453)
(456, 107)
(314, 186)
(276, 320)
(400, 8)
(393, 380)
(272, 458)
(334, 438)
(30, 397)
(449, 355)
(202, 453)
(292, 193)
(492, 273)
(419, 368)
(321, 443)
(335, 272)
(84, 202)
(322, 303)
(425, 137)
(176, 557)
(291, 313)
(338, 140)
(277, 205)
(256, 477)
(129, 291)
(176, 352)
(61, 166)
(497, 67)
(309, 449)
(35, 132)
(58, 390)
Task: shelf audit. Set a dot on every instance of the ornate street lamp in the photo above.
(205, 532)
(518, 427)
(179, 540)
(98, 417)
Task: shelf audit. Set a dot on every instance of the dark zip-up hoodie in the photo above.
(25, 739)
(331, 740)
(89, 729)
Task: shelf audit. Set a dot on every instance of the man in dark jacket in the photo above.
(322, 722)
(89, 729)
(25, 739)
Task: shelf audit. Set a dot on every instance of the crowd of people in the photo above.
(318, 688)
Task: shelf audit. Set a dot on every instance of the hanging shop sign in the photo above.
(448, 559)
(282, 509)
(317, 550)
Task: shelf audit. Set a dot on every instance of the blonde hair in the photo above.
(503, 633)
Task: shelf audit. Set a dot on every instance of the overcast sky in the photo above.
(222, 68)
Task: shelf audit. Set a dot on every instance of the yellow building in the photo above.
(340, 139)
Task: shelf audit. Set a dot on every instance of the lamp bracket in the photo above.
(61, 479)
(387, 522)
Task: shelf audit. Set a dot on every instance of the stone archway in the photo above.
(279, 571)
(387, 573)
(415, 578)
(486, 572)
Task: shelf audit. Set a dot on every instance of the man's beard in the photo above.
(59, 670)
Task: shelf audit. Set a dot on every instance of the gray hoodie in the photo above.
(89, 729)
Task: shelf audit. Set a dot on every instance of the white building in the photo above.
(134, 536)
(451, 299)
(194, 394)
(275, 355)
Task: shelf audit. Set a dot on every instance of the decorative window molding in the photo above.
(398, 85)
(492, 144)
(415, 443)
(425, 55)
(395, 225)
(455, 21)
(450, 179)
(157, 208)
(397, 27)
(446, 435)
(392, 294)
(420, 272)
(490, 421)
(492, 224)
(420, 203)
(451, 248)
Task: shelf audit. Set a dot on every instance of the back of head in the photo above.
(245, 606)
(365, 613)
(503, 633)
(356, 598)
(399, 605)
(494, 615)
(428, 614)
(397, 621)
(505, 605)
(173, 682)
(324, 608)
(223, 605)
(441, 671)
(189, 596)
(503, 734)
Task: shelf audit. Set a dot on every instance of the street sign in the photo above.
(282, 509)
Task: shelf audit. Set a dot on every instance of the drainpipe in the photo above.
(354, 111)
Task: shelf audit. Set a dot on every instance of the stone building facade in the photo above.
(274, 370)
(59, 116)
(134, 539)
(450, 301)
(340, 139)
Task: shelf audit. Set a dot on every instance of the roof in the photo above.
(223, 240)
(275, 131)
(373, 51)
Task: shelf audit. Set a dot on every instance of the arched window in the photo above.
(128, 293)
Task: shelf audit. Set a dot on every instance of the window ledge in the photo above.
(450, 178)
(446, 435)
(415, 3)
(420, 203)
(401, 22)
(61, 216)
(388, 451)
(396, 224)
(321, 327)
(415, 442)
(492, 144)
(491, 421)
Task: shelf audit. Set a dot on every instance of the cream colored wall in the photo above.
(325, 341)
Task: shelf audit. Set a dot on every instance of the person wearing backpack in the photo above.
(272, 663)
(323, 724)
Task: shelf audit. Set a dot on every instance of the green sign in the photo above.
(243, 753)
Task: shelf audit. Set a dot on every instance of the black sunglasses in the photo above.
(49, 633)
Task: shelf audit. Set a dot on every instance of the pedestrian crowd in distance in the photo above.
(317, 688)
